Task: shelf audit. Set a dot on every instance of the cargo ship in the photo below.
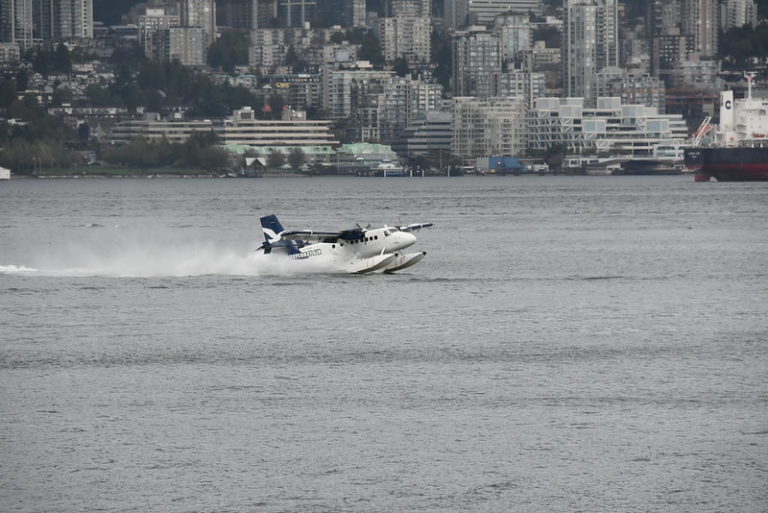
(738, 151)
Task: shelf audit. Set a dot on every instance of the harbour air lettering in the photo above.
(307, 254)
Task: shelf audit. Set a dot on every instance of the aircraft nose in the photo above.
(407, 239)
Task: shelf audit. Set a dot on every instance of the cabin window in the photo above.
(333, 246)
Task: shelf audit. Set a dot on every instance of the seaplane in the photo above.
(357, 250)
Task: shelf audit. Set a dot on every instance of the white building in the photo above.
(152, 22)
(590, 43)
(455, 13)
(476, 62)
(428, 137)
(515, 33)
(701, 20)
(482, 12)
(241, 129)
(488, 127)
(187, 44)
(405, 36)
(337, 87)
(16, 22)
(10, 53)
(610, 128)
(293, 130)
(737, 13)
(383, 108)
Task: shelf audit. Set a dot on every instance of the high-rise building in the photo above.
(199, 13)
(295, 13)
(73, 19)
(455, 13)
(590, 44)
(421, 8)
(737, 13)
(16, 22)
(185, 44)
(488, 127)
(407, 37)
(245, 14)
(482, 12)
(476, 62)
(515, 35)
(701, 19)
(62, 19)
(152, 24)
(347, 13)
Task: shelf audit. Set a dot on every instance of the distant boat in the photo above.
(5, 174)
(389, 169)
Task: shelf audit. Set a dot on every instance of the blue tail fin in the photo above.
(272, 230)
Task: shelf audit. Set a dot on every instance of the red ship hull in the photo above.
(728, 164)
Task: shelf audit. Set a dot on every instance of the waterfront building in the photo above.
(484, 127)
(240, 129)
(610, 128)
(155, 129)
(429, 137)
(294, 129)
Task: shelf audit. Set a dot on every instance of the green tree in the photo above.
(61, 96)
(296, 158)
(8, 93)
(61, 60)
(370, 50)
(230, 50)
(22, 80)
(400, 67)
(275, 159)
(442, 57)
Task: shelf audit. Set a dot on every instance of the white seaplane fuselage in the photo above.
(377, 250)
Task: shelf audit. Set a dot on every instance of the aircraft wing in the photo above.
(413, 227)
(311, 235)
(314, 236)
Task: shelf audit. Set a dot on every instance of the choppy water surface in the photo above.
(568, 344)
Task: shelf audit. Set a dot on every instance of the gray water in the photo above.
(568, 344)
